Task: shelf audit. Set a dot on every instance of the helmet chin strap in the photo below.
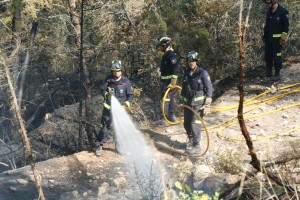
(166, 48)
(274, 2)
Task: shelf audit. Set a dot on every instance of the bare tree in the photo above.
(77, 20)
(254, 160)
(19, 119)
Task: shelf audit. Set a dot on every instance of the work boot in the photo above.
(161, 122)
(172, 118)
(189, 144)
(195, 150)
(98, 150)
(266, 74)
(276, 78)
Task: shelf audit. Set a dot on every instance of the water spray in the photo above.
(139, 156)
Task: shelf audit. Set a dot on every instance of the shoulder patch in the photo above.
(208, 78)
(174, 61)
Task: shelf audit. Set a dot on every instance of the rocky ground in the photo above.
(272, 120)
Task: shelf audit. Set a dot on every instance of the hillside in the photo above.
(82, 175)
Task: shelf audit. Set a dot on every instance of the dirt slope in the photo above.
(85, 176)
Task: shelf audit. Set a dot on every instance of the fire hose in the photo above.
(182, 106)
(229, 122)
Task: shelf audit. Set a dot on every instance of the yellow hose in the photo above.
(258, 105)
(230, 122)
(183, 153)
(219, 133)
(220, 109)
(181, 121)
(163, 106)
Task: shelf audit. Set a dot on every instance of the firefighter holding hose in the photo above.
(120, 87)
(196, 93)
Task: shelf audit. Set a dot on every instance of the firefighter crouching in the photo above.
(196, 93)
(120, 87)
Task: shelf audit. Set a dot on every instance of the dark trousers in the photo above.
(106, 121)
(273, 56)
(170, 100)
(192, 125)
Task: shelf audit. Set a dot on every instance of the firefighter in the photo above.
(275, 35)
(196, 93)
(169, 71)
(120, 87)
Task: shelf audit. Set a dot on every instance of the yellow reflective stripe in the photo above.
(284, 33)
(105, 94)
(278, 54)
(200, 98)
(168, 77)
(164, 38)
(196, 99)
(106, 105)
(276, 35)
(197, 122)
(167, 99)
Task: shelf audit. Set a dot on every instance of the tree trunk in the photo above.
(85, 87)
(254, 160)
(17, 113)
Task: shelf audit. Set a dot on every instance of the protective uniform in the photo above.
(276, 29)
(123, 92)
(170, 69)
(196, 88)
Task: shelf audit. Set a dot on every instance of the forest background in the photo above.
(58, 52)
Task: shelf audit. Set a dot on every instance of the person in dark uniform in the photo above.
(196, 93)
(169, 69)
(275, 35)
(120, 87)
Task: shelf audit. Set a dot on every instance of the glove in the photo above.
(283, 38)
(208, 101)
(206, 109)
(181, 100)
(282, 41)
(111, 91)
(127, 104)
(172, 83)
(107, 97)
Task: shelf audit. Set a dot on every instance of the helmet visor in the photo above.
(116, 67)
(192, 56)
(191, 60)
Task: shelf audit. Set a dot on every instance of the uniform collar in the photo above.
(276, 10)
